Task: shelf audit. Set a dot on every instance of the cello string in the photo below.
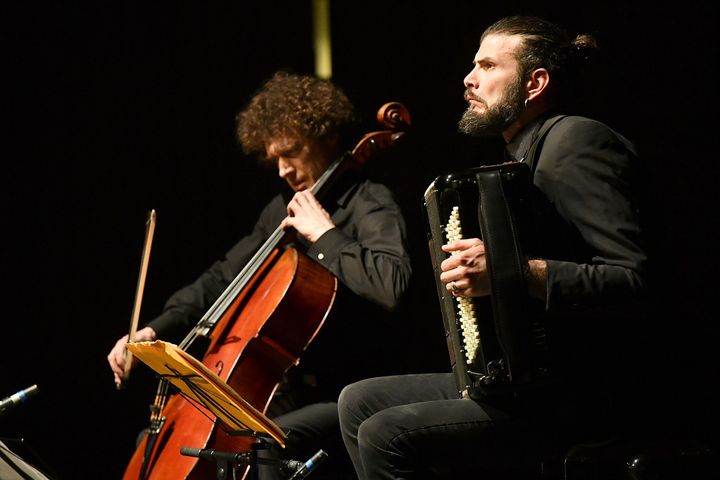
(202, 395)
(223, 302)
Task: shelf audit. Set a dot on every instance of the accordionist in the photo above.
(584, 276)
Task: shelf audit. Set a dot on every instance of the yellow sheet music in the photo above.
(200, 384)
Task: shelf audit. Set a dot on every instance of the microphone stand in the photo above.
(223, 461)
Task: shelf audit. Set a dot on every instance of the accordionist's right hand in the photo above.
(464, 272)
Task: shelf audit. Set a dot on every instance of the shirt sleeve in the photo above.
(588, 176)
(186, 306)
(367, 252)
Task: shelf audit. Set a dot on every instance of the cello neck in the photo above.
(276, 240)
(393, 116)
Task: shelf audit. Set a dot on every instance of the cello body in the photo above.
(259, 338)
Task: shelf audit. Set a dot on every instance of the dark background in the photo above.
(114, 108)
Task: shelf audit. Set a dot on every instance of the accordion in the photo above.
(496, 343)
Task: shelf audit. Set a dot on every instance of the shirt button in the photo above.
(321, 256)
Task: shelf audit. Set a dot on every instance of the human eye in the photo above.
(293, 151)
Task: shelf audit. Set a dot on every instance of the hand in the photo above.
(306, 215)
(116, 357)
(465, 271)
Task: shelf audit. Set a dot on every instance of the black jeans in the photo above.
(415, 426)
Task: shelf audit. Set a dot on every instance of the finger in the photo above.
(301, 199)
(146, 334)
(449, 276)
(288, 223)
(452, 246)
(310, 199)
(116, 357)
(449, 264)
(462, 244)
(305, 195)
(309, 205)
(457, 275)
(117, 368)
(120, 358)
(457, 289)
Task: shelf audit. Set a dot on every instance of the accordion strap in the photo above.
(506, 271)
(506, 264)
(539, 139)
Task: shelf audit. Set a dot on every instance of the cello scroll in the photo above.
(396, 118)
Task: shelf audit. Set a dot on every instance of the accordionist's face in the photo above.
(493, 89)
(495, 70)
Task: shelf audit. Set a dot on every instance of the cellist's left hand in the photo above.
(307, 216)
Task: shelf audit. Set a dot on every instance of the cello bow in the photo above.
(135, 317)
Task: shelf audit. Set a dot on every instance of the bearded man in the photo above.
(588, 281)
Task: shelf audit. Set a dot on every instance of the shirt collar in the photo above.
(519, 146)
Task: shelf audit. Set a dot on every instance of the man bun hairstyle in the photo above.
(546, 45)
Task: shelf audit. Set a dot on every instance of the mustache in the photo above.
(469, 95)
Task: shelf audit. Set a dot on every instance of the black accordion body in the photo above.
(496, 343)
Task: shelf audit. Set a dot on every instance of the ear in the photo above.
(330, 145)
(537, 83)
(331, 141)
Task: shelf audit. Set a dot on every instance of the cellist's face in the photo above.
(300, 161)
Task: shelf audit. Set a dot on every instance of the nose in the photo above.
(470, 81)
(285, 168)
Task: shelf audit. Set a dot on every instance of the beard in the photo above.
(497, 118)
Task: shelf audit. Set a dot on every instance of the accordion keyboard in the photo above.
(465, 306)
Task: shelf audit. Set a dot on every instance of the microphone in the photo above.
(215, 455)
(288, 466)
(300, 469)
(19, 397)
(310, 465)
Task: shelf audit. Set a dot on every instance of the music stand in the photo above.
(14, 467)
(197, 383)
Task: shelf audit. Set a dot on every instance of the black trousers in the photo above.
(415, 426)
(309, 428)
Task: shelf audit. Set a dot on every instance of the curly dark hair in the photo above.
(546, 45)
(294, 105)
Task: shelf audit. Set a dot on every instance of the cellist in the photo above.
(299, 125)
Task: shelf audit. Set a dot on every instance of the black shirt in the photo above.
(365, 251)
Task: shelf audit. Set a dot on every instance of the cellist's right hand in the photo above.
(116, 357)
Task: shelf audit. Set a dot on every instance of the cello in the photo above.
(257, 329)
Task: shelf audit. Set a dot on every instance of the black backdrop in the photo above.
(113, 108)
